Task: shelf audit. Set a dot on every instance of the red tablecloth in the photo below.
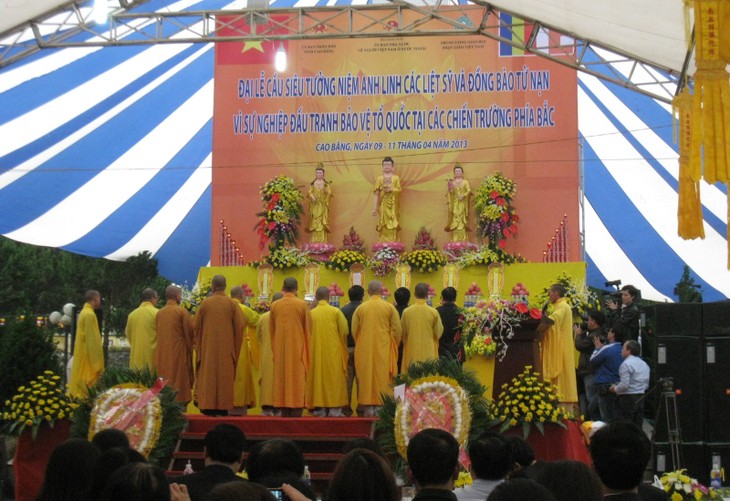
(31, 458)
(557, 443)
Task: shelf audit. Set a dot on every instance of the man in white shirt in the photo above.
(634, 380)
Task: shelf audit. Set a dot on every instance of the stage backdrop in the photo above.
(426, 101)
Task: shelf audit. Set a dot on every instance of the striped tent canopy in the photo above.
(106, 151)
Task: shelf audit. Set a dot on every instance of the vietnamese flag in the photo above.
(251, 52)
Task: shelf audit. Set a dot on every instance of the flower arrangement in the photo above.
(578, 296)
(486, 255)
(486, 327)
(384, 259)
(261, 306)
(481, 344)
(352, 241)
(425, 260)
(284, 257)
(40, 401)
(496, 218)
(681, 486)
(529, 400)
(278, 222)
(424, 240)
(343, 259)
(191, 298)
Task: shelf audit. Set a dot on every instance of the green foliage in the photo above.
(172, 412)
(41, 280)
(686, 289)
(25, 352)
(479, 405)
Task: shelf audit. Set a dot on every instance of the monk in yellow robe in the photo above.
(244, 392)
(387, 190)
(88, 359)
(141, 332)
(319, 195)
(174, 354)
(290, 324)
(457, 198)
(422, 329)
(218, 327)
(327, 376)
(558, 351)
(266, 362)
(376, 328)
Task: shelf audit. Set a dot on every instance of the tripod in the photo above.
(667, 402)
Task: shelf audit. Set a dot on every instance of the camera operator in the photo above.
(624, 320)
(583, 340)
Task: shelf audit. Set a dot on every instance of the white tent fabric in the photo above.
(107, 152)
(650, 30)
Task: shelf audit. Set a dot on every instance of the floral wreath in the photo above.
(444, 369)
(432, 402)
(133, 408)
(138, 403)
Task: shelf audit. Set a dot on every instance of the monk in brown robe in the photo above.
(174, 354)
(218, 335)
(290, 325)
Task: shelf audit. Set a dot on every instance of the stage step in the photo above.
(320, 439)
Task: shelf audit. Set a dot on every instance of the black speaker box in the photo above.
(693, 457)
(680, 359)
(717, 389)
(678, 319)
(716, 319)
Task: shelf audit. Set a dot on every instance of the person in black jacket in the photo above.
(624, 319)
(223, 450)
(583, 341)
(356, 293)
(449, 345)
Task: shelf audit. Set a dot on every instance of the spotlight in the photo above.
(280, 59)
(99, 12)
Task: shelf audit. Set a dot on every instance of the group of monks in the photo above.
(306, 360)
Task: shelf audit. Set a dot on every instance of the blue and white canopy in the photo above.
(107, 152)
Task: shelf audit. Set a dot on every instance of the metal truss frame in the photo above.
(72, 26)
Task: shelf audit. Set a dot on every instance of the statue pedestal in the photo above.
(523, 350)
(321, 252)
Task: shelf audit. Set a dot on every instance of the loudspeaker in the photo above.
(678, 319)
(717, 389)
(716, 319)
(678, 332)
(680, 358)
(694, 458)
